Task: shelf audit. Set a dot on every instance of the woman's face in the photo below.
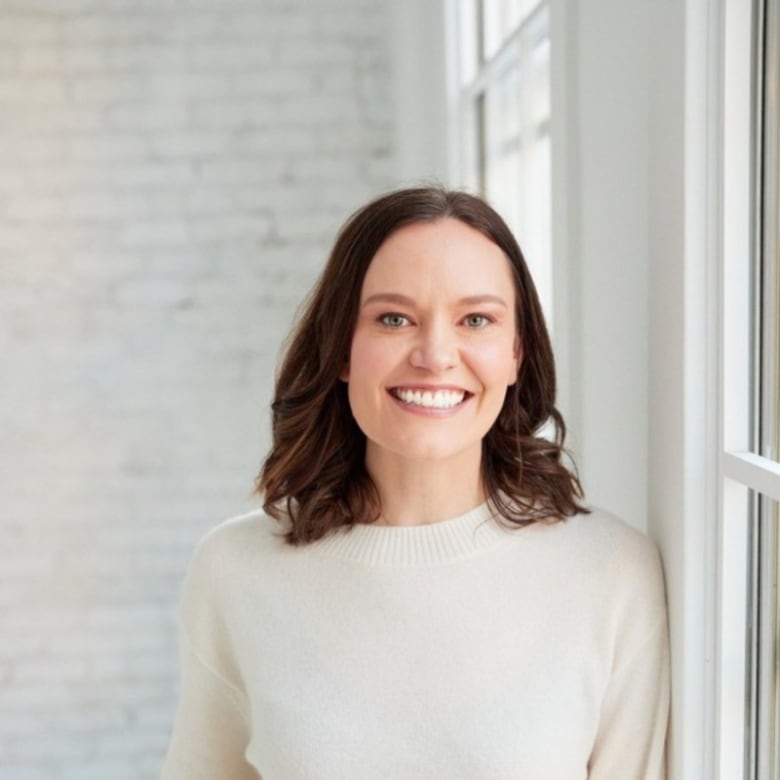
(435, 344)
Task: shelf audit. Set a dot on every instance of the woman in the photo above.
(425, 595)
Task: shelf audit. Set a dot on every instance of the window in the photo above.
(750, 557)
(503, 116)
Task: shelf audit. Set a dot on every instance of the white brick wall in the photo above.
(171, 176)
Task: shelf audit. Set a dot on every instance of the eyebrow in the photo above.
(404, 300)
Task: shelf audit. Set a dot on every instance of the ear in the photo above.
(344, 373)
(517, 354)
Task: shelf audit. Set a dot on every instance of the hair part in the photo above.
(315, 474)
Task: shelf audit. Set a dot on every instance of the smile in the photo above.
(429, 399)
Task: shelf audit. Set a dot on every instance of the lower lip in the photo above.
(430, 411)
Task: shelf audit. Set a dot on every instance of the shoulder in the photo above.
(228, 560)
(604, 555)
(251, 537)
(608, 538)
(253, 528)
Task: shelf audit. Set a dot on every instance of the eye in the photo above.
(477, 321)
(393, 320)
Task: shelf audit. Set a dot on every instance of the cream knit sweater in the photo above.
(457, 650)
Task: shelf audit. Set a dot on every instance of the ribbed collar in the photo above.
(418, 545)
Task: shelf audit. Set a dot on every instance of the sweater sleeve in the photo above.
(631, 736)
(211, 730)
(212, 726)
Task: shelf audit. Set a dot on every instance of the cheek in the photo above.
(369, 366)
(497, 362)
(368, 360)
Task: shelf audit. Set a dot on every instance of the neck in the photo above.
(420, 493)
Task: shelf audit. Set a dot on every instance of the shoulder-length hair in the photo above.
(315, 475)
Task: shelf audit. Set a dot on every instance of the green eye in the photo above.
(477, 320)
(393, 320)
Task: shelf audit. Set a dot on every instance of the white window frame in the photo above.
(709, 585)
(741, 467)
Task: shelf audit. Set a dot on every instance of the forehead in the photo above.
(442, 255)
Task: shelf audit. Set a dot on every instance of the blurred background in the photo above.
(172, 175)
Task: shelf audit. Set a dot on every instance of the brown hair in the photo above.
(315, 472)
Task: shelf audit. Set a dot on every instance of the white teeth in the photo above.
(441, 399)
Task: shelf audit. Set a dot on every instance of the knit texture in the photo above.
(459, 649)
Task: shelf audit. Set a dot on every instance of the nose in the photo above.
(435, 349)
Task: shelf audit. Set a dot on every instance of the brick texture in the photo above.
(171, 175)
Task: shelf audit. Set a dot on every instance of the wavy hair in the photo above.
(315, 475)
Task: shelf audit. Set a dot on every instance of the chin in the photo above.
(431, 452)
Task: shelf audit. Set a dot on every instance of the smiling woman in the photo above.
(414, 271)
(426, 594)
